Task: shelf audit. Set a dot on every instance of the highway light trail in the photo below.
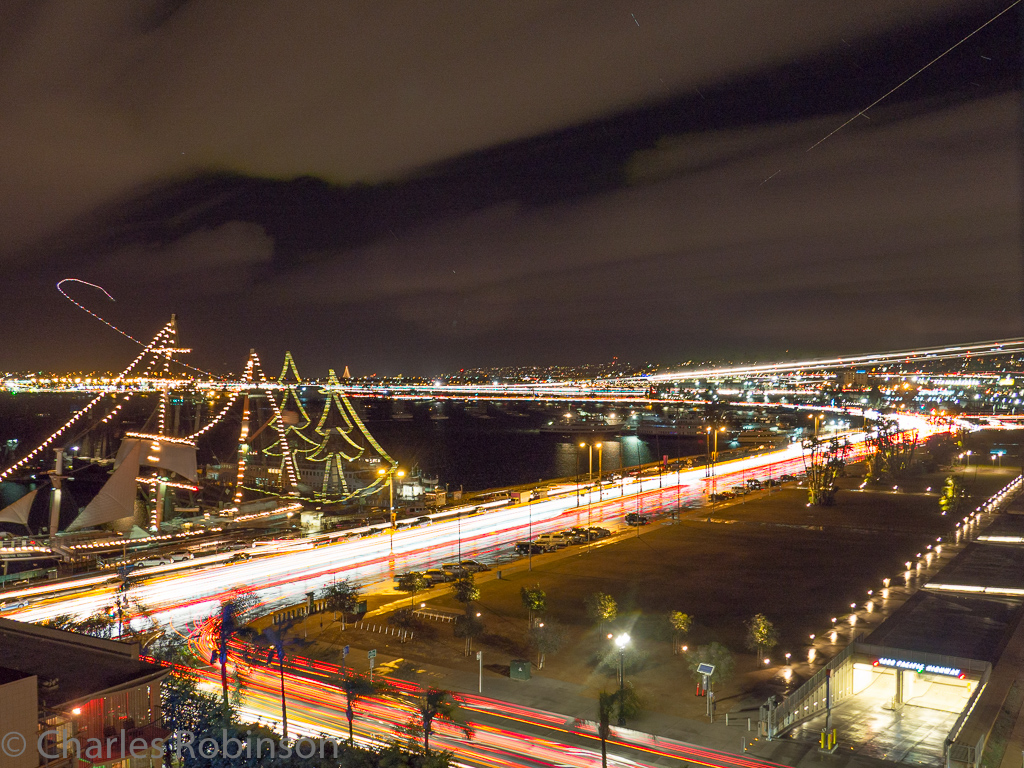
(504, 733)
(282, 573)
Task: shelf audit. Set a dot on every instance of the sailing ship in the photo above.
(284, 457)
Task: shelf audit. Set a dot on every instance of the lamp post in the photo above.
(391, 498)
(590, 474)
(621, 642)
(578, 478)
(679, 483)
(529, 532)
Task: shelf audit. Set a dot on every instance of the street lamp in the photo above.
(578, 477)
(621, 642)
(391, 498)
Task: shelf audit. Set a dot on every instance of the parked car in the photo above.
(437, 576)
(181, 554)
(634, 519)
(597, 532)
(526, 547)
(474, 566)
(455, 570)
(754, 484)
(154, 560)
(551, 541)
(240, 557)
(786, 478)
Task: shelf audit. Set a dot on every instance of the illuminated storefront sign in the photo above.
(916, 666)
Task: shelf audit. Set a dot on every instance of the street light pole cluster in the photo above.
(391, 497)
(712, 460)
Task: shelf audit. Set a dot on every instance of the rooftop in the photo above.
(965, 626)
(82, 666)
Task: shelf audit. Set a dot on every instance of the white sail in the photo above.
(163, 454)
(116, 498)
(18, 511)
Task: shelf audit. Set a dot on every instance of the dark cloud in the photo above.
(465, 184)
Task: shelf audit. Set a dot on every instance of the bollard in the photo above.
(748, 723)
(726, 718)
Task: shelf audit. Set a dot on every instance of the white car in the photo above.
(151, 562)
(181, 554)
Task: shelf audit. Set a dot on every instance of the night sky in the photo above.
(416, 188)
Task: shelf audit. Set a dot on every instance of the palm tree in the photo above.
(356, 687)
(229, 625)
(437, 704)
(273, 641)
(605, 706)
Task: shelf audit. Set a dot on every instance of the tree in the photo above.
(715, 654)
(761, 635)
(605, 709)
(341, 597)
(230, 622)
(188, 708)
(534, 600)
(468, 626)
(547, 637)
(356, 687)
(953, 493)
(274, 641)
(465, 590)
(100, 624)
(438, 704)
(602, 608)
(823, 461)
(404, 618)
(411, 582)
(625, 703)
(628, 702)
(893, 451)
(679, 624)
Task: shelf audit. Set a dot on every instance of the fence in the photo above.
(810, 698)
(435, 614)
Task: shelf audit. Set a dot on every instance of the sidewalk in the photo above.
(567, 699)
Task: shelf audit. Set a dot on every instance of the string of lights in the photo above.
(217, 419)
(127, 335)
